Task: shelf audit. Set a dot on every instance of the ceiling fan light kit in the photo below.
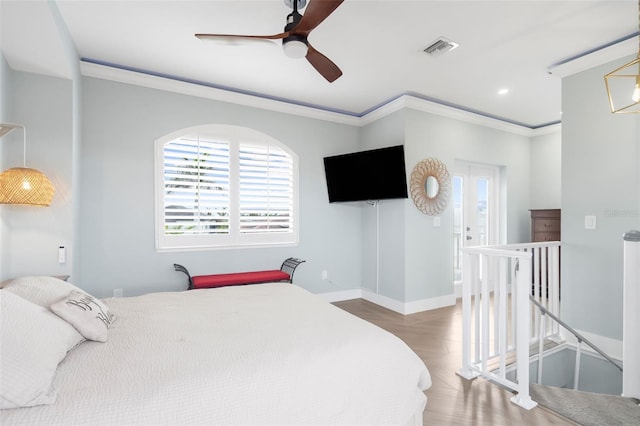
(295, 47)
(295, 36)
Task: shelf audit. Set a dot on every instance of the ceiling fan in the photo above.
(296, 31)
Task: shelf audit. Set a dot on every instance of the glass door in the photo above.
(475, 199)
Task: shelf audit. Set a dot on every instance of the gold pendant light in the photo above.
(22, 185)
(623, 84)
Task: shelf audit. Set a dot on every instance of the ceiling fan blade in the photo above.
(323, 65)
(314, 14)
(238, 36)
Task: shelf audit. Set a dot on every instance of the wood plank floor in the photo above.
(436, 336)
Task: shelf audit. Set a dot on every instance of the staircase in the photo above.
(586, 408)
(511, 322)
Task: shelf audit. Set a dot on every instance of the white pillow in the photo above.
(41, 290)
(87, 314)
(33, 342)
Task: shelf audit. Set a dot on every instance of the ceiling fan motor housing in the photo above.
(295, 45)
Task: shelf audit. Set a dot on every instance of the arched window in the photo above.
(222, 186)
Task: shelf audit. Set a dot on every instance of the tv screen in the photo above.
(367, 175)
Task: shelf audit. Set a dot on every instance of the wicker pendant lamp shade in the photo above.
(22, 185)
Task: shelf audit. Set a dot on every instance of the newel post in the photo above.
(631, 316)
(523, 287)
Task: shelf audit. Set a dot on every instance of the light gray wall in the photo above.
(600, 157)
(416, 258)
(383, 229)
(429, 271)
(45, 106)
(116, 226)
(111, 243)
(110, 228)
(546, 166)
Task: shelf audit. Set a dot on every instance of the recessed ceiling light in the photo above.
(503, 91)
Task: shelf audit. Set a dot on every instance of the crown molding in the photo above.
(90, 69)
(466, 116)
(546, 130)
(593, 59)
(101, 71)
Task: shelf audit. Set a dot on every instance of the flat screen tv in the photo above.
(376, 174)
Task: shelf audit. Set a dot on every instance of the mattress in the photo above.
(268, 354)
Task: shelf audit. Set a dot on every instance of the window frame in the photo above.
(234, 135)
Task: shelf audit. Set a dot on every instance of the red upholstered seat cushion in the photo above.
(221, 280)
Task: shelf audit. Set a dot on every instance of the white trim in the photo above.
(602, 56)
(404, 308)
(408, 308)
(429, 304)
(546, 130)
(384, 301)
(339, 296)
(457, 289)
(105, 72)
(234, 137)
(462, 115)
(383, 110)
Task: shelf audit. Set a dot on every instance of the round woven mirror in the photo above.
(430, 186)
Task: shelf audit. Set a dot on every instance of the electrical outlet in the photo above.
(118, 292)
(324, 275)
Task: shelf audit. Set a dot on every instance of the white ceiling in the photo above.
(377, 43)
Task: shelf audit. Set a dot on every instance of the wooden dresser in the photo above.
(545, 225)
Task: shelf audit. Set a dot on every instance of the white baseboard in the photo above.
(404, 308)
(429, 304)
(384, 301)
(457, 290)
(339, 296)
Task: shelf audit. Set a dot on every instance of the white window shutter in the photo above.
(266, 189)
(196, 177)
(221, 186)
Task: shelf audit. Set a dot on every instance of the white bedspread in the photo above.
(259, 354)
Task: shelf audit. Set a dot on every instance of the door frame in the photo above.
(470, 170)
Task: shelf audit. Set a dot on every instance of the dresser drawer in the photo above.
(546, 225)
(546, 236)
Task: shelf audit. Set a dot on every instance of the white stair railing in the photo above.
(543, 313)
(498, 321)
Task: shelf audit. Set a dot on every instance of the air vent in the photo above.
(441, 46)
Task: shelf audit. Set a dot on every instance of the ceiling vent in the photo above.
(441, 46)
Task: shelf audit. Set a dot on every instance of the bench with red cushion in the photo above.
(239, 278)
(285, 273)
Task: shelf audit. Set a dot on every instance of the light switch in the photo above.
(589, 222)
(436, 221)
(62, 254)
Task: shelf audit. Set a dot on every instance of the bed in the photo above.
(268, 354)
